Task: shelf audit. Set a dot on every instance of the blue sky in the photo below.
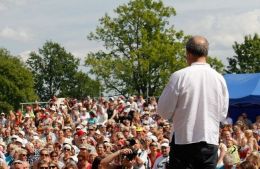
(27, 24)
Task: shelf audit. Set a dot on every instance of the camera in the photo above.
(132, 155)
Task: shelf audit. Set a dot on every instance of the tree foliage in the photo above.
(247, 58)
(141, 48)
(56, 73)
(16, 82)
(216, 64)
(82, 86)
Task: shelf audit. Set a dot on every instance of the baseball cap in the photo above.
(14, 137)
(80, 133)
(111, 98)
(106, 139)
(83, 146)
(67, 146)
(139, 129)
(21, 132)
(79, 127)
(90, 128)
(19, 140)
(165, 145)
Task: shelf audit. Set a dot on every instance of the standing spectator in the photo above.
(162, 162)
(3, 120)
(83, 161)
(154, 153)
(101, 115)
(43, 160)
(196, 100)
(55, 159)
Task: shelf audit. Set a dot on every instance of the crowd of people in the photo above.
(104, 133)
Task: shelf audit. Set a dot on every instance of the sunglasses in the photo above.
(24, 154)
(66, 149)
(153, 145)
(46, 155)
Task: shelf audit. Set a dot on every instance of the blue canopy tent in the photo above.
(244, 94)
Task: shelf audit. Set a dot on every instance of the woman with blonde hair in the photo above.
(251, 141)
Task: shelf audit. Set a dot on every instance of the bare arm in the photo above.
(108, 159)
(115, 112)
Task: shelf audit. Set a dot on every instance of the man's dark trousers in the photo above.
(193, 156)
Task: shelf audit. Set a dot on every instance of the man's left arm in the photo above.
(168, 99)
(225, 104)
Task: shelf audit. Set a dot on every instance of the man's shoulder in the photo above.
(180, 73)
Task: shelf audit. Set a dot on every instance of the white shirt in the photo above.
(196, 100)
(143, 155)
(133, 106)
(160, 162)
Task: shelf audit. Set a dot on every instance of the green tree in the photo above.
(53, 69)
(141, 48)
(216, 64)
(16, 82)
(82, 86)
(247, 58)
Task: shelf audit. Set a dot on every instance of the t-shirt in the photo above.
(161, 162)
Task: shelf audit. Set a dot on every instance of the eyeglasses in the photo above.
(46, 155)
(151, 145)
(44, 167)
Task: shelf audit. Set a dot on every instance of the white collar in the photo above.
(199, 63)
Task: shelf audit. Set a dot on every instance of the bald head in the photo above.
(197, 46)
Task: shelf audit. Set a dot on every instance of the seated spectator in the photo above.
(154, 153)
(246, 165)
(251, 141)
(228, 162)
(254, 158)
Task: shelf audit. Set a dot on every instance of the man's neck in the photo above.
(194, 59)
(200, 60)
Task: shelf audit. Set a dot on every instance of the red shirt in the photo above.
(157, 155)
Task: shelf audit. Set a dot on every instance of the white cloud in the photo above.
(222, 28)
(19, 34)
(24, 55)
(9, 3)
(234, 27)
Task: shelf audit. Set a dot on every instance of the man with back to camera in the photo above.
(195, 100)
